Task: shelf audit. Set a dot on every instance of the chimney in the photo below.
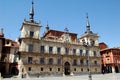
(1, 32)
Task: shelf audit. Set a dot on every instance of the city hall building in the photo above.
(56, 52)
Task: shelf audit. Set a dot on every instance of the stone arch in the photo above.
(67, 68)
(116, 69)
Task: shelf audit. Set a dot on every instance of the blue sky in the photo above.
(104, 17)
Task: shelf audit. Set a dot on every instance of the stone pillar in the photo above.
(113, 69)
(63, 73)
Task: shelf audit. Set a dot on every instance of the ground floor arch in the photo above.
(116, 69)
(67, 68)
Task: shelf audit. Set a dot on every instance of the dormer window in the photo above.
(31, 34)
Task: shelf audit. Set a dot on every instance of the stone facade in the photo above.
(56, 52)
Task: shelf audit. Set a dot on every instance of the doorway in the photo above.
(67, 68)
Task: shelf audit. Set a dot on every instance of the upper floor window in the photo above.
(31, 34)
(81, 62)
(58, 50)
(66, 50)
(42, 60)
(87, 62)
(42, 49)
(15, 58)
(74, 62)
(50, 49)
(30, 59)
(74, 51)
(81, 52)
(50, 61)
(29, 68)
(95, 62)
(59, 61)
(87, 53)
(94, 52)
(30, 48)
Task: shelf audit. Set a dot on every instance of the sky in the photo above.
(104, 17)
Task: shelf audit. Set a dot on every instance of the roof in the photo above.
(109, 49)
(14, 44)
(58, 34)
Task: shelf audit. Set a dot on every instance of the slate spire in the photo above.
(32, 12)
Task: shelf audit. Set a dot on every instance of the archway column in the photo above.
(113, 69)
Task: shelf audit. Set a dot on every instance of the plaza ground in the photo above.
(111, 76)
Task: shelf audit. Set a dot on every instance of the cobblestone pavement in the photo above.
(111, 76)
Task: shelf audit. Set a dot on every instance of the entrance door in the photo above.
(67, 68)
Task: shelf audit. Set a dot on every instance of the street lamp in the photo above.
(87, 46)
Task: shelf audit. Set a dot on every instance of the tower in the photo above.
(29, 39)
(90, 43)
(89, 36)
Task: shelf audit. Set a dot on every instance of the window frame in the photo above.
(31, 34)
(50, 49)
(30, 48)
(58, 50)
(42, 49)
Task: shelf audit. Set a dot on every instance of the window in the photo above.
(82, 69)
(74, 51)
(74, 69)
(30, 48)
(30, 59)
(29, 68)
(50, 61)
(81, 62)
(107, 52)
(87, 62)
(75, 62)
(31, 34)
(95, 62)
(87, 53)
(66, 50)
(94, 52)
(59, 61)
(50, 69)
(41, 68)
(50, 49)
(42, 60)
(58, 69)
(15, 58)
(42, 49)
(81, 51)
(58, 50)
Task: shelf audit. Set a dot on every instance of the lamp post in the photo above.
(87, 46)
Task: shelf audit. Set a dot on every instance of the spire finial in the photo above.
(32, 12)
(47, 27)
(87, 24)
